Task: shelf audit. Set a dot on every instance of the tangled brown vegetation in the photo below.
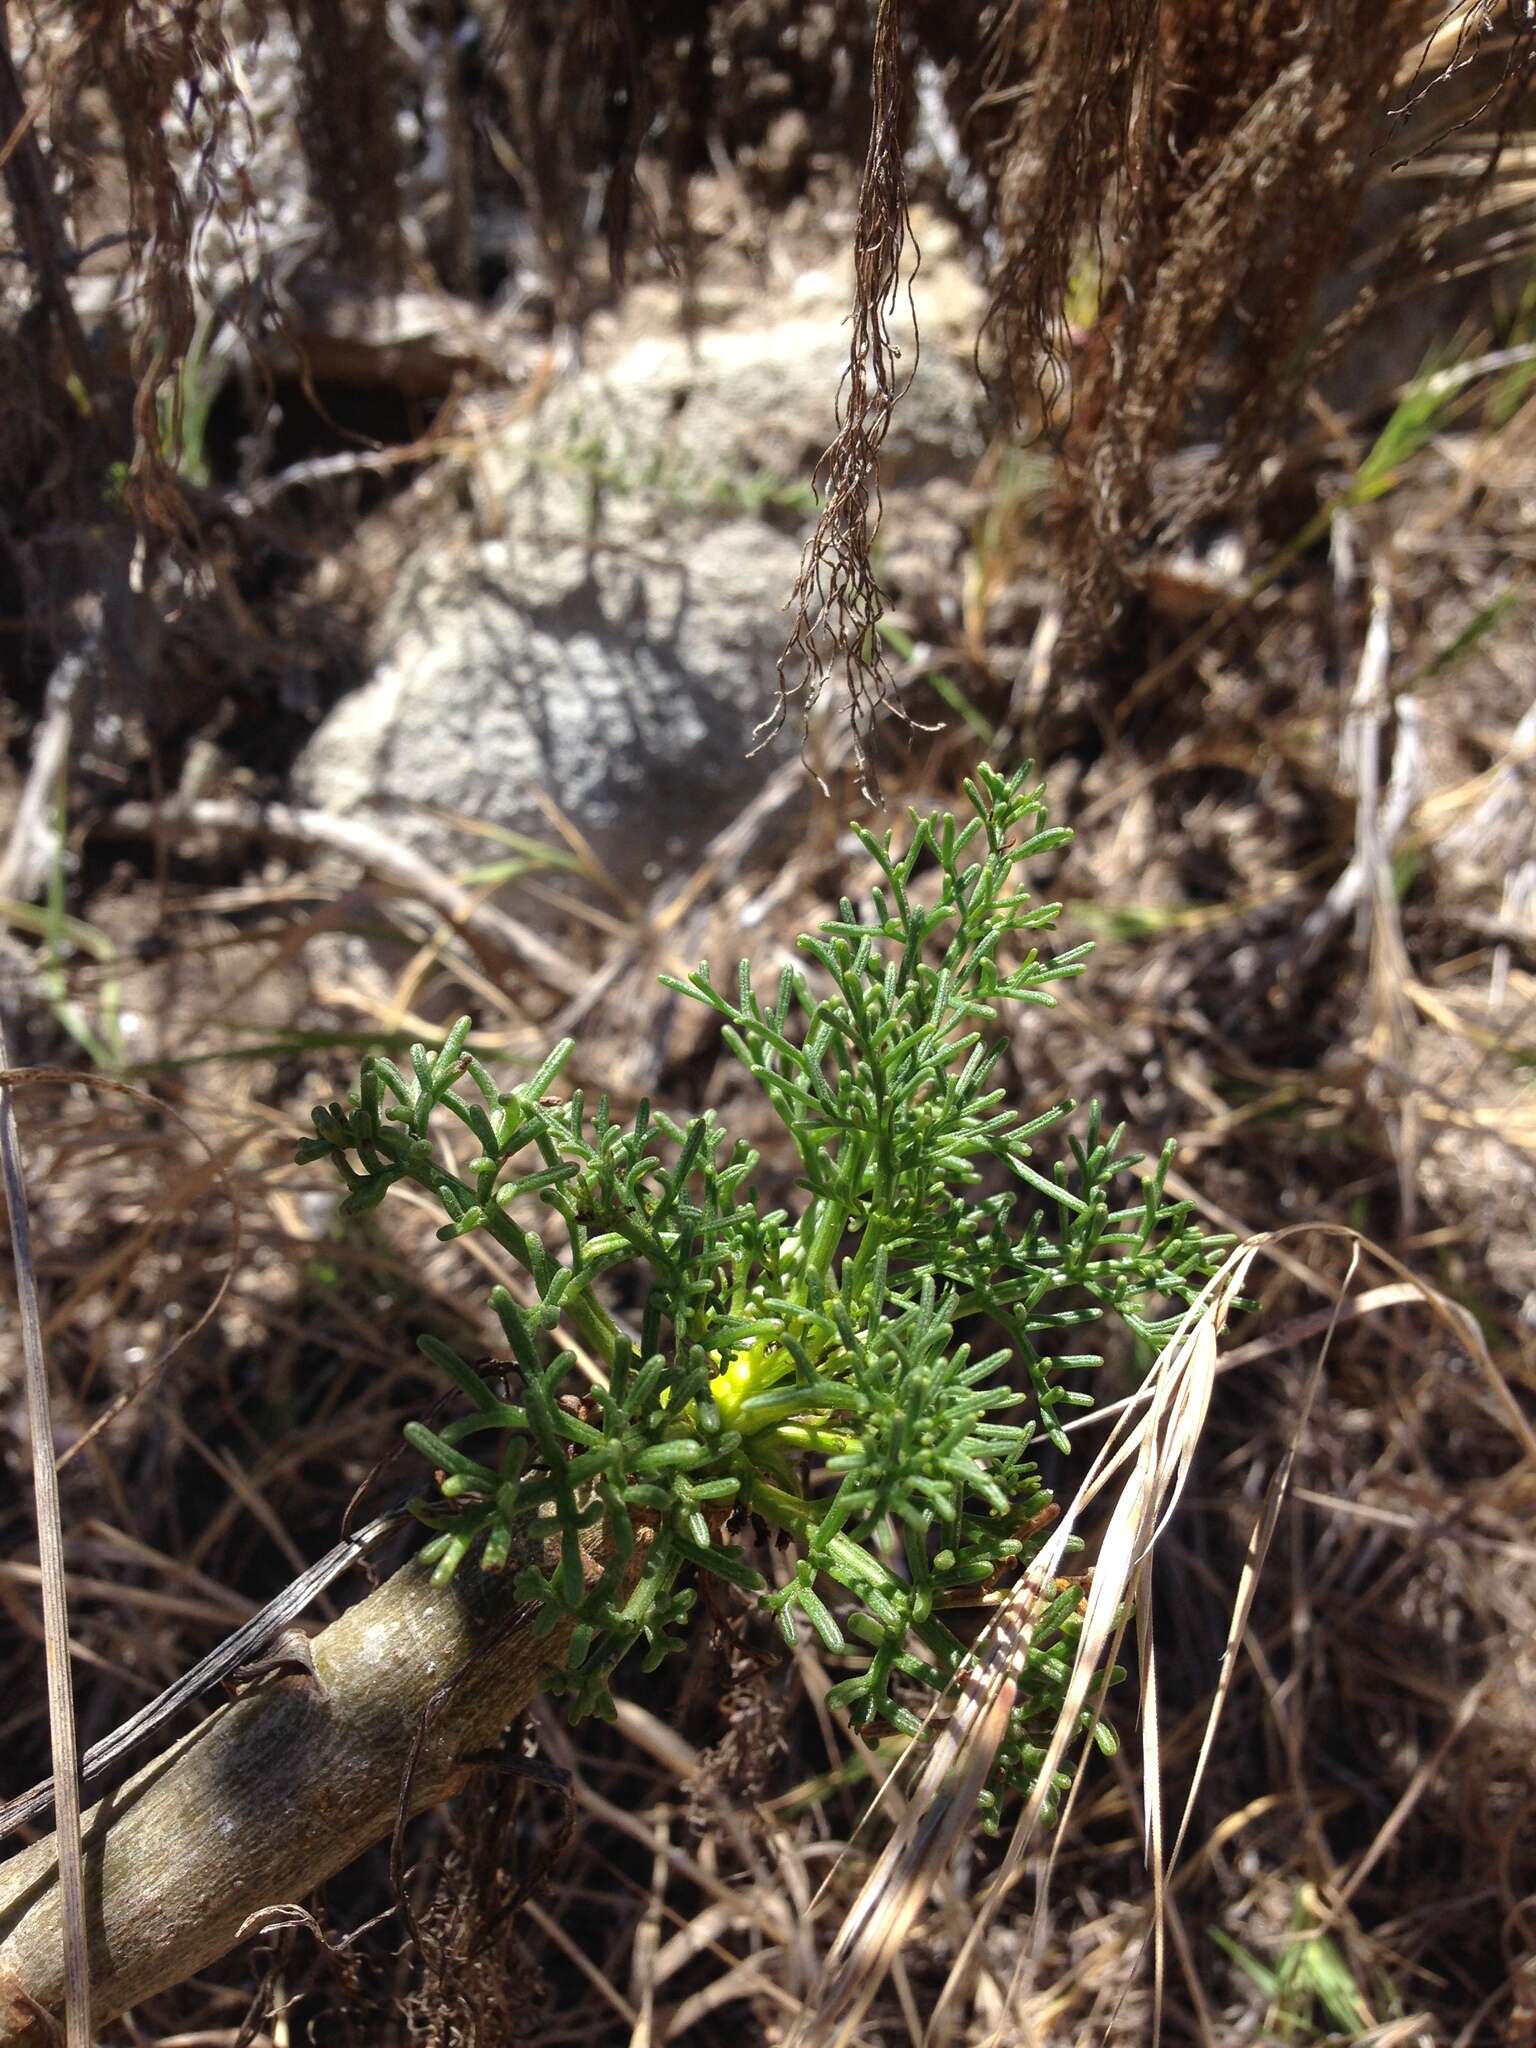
(1198, 173)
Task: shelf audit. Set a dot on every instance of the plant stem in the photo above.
(827, 1218)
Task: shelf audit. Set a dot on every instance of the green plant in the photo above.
(184, 404)
(847, 1373)
(1311, 1990)
(628, 469)
(63, 937)
(943, 687)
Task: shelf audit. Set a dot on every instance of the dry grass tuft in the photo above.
(1076, 77)
(1230, 155)
(350, 97)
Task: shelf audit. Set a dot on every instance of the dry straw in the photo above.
(1141, 1472)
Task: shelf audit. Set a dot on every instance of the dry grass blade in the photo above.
(1147, 1458)
(64, 1077)
(1299, 1330)
(50, 1542)
(30, 848)
(1199, 1333)
(504, 943)
(1155, 1452)
(937, 1815)
(1253, 1566)
(1150, 1453)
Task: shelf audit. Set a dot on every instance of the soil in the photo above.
(1301, 785)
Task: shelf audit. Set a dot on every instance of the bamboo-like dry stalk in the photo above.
(272, 1795)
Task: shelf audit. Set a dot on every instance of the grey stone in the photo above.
(614, 645)
(744, 414)
(624, 685)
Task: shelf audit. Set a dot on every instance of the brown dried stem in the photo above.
(836, 601)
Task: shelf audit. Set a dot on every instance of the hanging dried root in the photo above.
(836, 601)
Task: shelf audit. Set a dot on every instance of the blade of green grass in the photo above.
(943, 687)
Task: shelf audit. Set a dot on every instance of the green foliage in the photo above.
(864, 1374)
(613, 464)
(64, 938)
(185, 404)
(1311, 1990)
(944, 687)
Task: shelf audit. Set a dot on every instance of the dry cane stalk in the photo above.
(272, 1795)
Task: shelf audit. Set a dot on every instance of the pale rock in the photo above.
(610, 647)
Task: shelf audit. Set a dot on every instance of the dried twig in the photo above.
(28, 854)
(502, 941)
(50, 1542)
(270, 1797)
